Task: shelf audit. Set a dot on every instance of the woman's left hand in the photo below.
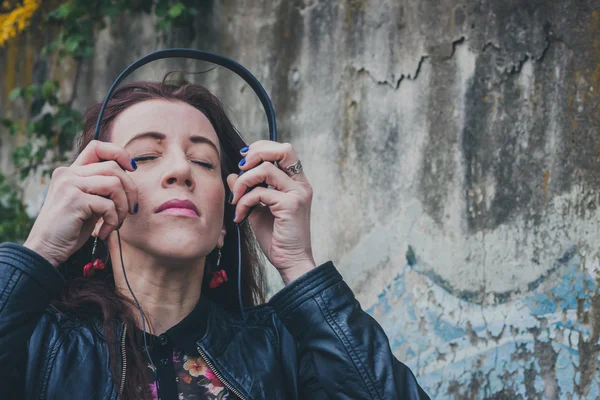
(281, 219)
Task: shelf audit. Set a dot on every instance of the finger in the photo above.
(267, 150)
(97, 151)
(109, 187)
(267, 173)
(231, 179)
(105, 209)
(270, 197)
(111, 168)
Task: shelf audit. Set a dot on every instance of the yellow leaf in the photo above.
(17, 20)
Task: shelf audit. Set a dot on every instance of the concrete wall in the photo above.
(453, 148)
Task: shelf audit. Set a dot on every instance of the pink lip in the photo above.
(181, 212)
(178, 207)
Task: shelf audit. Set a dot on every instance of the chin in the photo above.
(181, 245)
(178, 254)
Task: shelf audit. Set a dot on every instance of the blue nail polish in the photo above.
(242, 162)
(234, 214)
(136, 208)
(133, 164)
(244, 150)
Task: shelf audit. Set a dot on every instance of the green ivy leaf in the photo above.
(36, 106)
(45, 125)
(12, 126)
(162, 9)
(176, 10)
(31, 90)
(15, 93)
(165, 25)
(72, 43)
(87, 52)
(49, 89)
(31, 128)
(61, 12)
(50, 48)
(24, 173)
(112, 10)
(62, 120)
(21, 154)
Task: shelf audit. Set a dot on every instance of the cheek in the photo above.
(215, 196)
(146, 190)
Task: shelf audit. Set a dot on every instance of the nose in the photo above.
(179, 172)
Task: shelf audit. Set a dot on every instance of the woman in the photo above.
(150, 210)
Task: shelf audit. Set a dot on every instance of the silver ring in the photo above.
(294, 169)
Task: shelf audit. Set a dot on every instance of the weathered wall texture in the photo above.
(453, 148)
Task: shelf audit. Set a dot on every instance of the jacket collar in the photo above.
(220, 348)
(218, 329)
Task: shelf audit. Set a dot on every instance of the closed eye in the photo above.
(149, 158)
(204, 164)
(144, 158)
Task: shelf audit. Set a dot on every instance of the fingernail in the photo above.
(136, 208)
(241, 164)
(133, 164)
(230, 198)
(234, 214)
(244, 150)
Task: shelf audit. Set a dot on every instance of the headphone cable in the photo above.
(141, 311)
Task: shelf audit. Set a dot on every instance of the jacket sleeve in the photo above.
(343, 352)
(28, 282)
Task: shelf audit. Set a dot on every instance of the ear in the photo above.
(221, 236)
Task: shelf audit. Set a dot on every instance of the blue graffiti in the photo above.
(451, 343)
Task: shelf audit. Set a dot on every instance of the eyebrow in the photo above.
(162, 136)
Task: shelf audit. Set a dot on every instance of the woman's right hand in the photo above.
(95, 186)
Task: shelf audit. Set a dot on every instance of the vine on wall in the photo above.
(51, 123)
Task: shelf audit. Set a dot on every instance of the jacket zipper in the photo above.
(218, 374)
(124, 359)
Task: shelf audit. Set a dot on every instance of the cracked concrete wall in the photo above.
(453, 149)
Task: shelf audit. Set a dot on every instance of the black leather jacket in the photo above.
(310, 341)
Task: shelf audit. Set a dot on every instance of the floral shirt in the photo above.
(194, 380)
(182, 374)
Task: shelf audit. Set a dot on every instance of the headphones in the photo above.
(201, 56)
(264, 99)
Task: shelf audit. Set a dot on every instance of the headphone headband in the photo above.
(202, 56)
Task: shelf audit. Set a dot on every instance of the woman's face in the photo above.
(177, 152)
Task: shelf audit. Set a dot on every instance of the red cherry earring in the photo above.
(220, 276)
(89, 268)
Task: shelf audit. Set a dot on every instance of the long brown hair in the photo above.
(95, 299)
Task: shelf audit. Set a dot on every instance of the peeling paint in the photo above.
(533, 344)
